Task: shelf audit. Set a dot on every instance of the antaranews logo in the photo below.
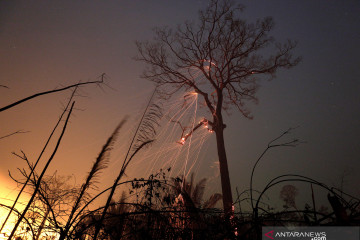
(296, 234)
(311, 233)
(270, 234)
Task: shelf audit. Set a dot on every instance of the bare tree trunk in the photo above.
(224, 171)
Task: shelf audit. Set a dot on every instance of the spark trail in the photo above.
(180, 139)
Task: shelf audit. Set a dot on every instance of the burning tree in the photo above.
(221, 58)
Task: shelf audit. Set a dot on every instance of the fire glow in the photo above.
(204, 122)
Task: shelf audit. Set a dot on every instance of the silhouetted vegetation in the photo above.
(225, 50)
(159, 207)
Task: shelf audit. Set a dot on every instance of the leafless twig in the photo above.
(18, 131)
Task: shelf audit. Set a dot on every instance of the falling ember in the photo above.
(236, 232)
(208, 61)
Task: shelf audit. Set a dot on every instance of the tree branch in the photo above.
(17, 132)
(53, 91)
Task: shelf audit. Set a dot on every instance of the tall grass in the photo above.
(99, 164)
(144, 134)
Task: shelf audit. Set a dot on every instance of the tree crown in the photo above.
(222, 57)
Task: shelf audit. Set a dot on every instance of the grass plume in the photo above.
(100, 163)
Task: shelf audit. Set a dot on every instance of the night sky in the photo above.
(48, 44)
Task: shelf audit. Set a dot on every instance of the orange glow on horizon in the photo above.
(8, 193)
(10, 222)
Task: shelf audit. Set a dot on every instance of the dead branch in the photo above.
(97, 82)
(16, 132)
